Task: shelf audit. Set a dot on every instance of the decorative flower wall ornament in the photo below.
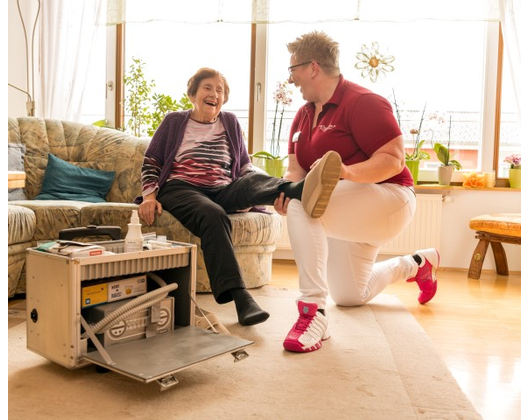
(372, 63)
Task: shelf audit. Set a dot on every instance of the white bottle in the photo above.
(134, 240)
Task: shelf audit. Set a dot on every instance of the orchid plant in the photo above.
(417, 153)
(282, 98)
(443, 153)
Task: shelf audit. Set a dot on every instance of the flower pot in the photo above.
(445, 173)
(414, 167)
(274, 167)
(515, 178)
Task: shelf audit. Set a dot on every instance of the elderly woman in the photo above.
(371, 204)
(197, 168)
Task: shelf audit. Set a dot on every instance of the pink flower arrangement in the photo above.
(514, 161)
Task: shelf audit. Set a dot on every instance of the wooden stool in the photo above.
(494, 229)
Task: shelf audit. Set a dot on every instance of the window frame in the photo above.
(491, 111)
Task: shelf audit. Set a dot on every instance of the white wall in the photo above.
(16, 61)
(458, 240)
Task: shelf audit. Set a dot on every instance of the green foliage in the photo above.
(444, 156)
(146, 108)
(417, 153)
(266, 155)
(442, 152)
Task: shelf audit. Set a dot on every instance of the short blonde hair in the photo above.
(317, 46)
(206, 73)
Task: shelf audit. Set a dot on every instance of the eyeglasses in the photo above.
(290, 69)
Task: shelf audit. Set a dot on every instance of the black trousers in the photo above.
(204, 212)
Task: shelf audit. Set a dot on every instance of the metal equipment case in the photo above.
(57, 326)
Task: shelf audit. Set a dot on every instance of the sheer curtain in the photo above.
(67, 34)
(278, 11)
(512, 25)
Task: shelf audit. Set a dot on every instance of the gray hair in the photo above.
(317, 46)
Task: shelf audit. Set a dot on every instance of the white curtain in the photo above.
(67, 33)
(512, 26)
(279, 11)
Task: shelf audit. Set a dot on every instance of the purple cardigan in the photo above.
(168, 138)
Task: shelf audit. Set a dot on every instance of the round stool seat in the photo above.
(508, 224)
(494, 229)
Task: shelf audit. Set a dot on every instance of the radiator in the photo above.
(423, 232)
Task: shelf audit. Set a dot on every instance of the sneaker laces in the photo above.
(311, 326)
(303, 322)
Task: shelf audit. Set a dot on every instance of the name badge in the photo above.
(296, 136)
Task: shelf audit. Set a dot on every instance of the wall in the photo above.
(458, 240)
(16, 61)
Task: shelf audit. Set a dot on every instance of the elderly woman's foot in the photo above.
(248, 311)
(320, 183)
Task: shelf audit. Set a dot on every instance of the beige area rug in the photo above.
(378, 364)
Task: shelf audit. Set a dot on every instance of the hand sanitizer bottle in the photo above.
(134, 240)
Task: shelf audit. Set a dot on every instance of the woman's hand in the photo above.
(281, 203)
(148, 210)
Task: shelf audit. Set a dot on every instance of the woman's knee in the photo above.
(351, 298)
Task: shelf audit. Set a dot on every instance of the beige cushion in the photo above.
(508, 224)
(20, 224)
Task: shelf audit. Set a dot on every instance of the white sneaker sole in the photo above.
(320, 183)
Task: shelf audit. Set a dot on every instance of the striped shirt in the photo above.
(203, 159)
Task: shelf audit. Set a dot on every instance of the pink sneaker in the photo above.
(309, 331)
(426, 277)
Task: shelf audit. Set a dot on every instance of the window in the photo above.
(173, 52)
(509, 133)
(439, 64)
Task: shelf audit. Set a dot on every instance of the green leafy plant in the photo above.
(443, 153)
(147, 109)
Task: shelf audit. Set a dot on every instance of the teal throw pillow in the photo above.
(64, 181)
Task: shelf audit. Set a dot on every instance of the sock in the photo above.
(248, 311)
(293, 189)
(417, 258)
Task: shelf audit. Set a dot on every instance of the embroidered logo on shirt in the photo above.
(326, 128)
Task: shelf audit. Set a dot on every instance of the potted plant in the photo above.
(271, 161)
(515, 170)
(413, 159)
(448, 165)
(416, 155)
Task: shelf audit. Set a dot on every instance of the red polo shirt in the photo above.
(355, 122)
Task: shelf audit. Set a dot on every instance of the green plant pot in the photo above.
(515, 178)
(274, 167)
(414, 168)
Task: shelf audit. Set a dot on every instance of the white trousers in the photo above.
(336, 253)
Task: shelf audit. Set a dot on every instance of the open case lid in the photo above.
(163, 355)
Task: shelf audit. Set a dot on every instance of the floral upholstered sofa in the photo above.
(35, 143)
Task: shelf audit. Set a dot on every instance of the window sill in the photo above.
(438, 187)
